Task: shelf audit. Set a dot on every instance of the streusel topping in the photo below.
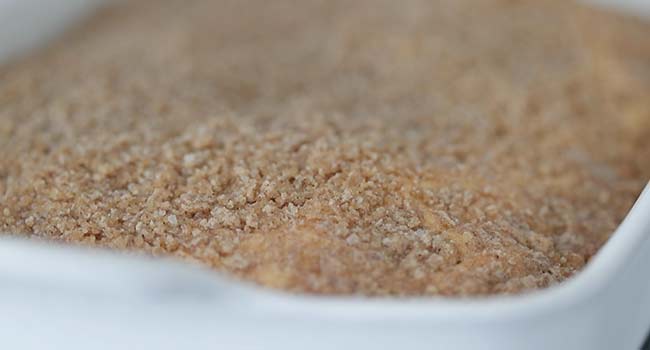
(340, 147)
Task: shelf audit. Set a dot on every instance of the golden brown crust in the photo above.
(368, 147)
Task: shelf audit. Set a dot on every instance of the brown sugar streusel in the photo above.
(373, 147)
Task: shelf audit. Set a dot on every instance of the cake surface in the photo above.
(335, 147)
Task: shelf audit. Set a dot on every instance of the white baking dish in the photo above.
(71, 298)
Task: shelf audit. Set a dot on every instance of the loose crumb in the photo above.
(373, 147)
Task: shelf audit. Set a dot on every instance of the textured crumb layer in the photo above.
(376, 147)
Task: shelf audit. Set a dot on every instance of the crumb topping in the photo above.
(335, 147)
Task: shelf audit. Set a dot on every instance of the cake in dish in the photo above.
(371, 147)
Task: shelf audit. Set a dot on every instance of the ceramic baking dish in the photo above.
(62, 297)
